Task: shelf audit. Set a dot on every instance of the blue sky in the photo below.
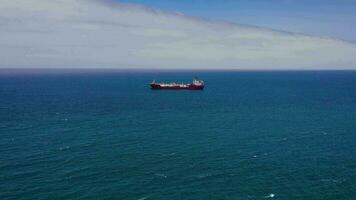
(330, 18)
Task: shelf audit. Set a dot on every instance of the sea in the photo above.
(249, 135)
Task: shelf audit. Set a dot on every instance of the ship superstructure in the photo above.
(195, 85)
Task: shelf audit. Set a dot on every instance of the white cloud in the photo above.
(100, 34)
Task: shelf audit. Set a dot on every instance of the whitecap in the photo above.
(143, 198)
(161, 175)
(270, 195)
(64, 148)
(201, 176)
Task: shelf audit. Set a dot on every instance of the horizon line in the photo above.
(100, 70)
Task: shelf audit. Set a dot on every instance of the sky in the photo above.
(177, 34)
(330, 18)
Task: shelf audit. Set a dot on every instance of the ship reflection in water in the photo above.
(195, 85)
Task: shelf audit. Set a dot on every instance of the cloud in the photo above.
(105, 34)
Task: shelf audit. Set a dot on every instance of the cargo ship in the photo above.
(195, 85)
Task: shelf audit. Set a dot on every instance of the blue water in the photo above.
(248, 135)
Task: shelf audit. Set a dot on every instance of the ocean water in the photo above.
(248, 135)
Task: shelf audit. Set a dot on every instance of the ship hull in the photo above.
(188, 87)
